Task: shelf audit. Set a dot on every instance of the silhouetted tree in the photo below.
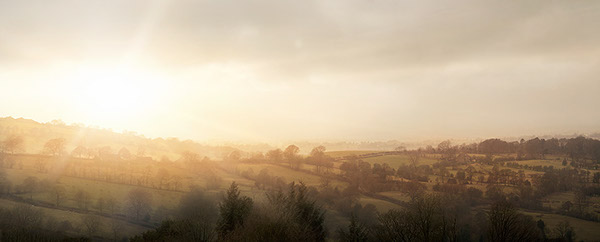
(275, 155)
(139, 203)
(83, 199)
(356, 232)
(506, 224)
(564, 231)
(58, 192)
(30, 185)
(12, 144)
(91, 225)
(233, 210)
(55, 147)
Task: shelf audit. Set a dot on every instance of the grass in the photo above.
(556, 163)
(75, 219)
(396, 195)
(396, 161)
(382, 206)
(288, 174)
(584, 230)
(343, 153)
(96, 189)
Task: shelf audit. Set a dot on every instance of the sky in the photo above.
(304, 70)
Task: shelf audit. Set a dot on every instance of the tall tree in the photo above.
(58, 193)
(12, 144)
(291, 152)
(139, 203)
(275, 155)
(233, 210)
(506, 224)
(55, 147)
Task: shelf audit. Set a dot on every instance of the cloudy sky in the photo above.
(304, 70)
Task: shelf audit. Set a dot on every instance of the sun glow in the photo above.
(111, 94)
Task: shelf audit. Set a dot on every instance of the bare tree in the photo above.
(139, 203)
(30, 185)
(91, 224)
(116, 228)
(58, 193)
(581, 201)
(83, 199)
(12, 144)
(564, 231)
(413, 158)
(506, 224)
(317, 155)
(55, 147)
(112, 205)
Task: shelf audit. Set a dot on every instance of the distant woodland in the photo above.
(62, 182)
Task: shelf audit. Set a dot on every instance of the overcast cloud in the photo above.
(273, 70)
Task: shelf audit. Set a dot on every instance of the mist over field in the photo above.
(164, 120)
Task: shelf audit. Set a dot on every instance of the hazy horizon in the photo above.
(285, 70)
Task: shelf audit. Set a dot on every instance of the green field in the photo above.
(556, 163)
(396, 195)
(343, 153)
(126, 229)
(289, 175)
(396, 161)
(381, 205)
(584, 230)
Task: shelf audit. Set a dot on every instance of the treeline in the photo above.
(578, 149)
(290, 214)
(137, 205)
(321, 162)
(434, 218)
(294, 214)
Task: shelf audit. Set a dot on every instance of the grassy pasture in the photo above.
(96, 189)
(343, 153)
(396, 195)
(556, 163)
(127, 229)
(396, 161)
(381, 205)
(288, 174)
(584, 230)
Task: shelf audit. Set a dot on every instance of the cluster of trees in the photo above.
(322, 162)
(293, 214)
(579, 149)
(364, 176)
(12, 145)
(431, 218)
(57, 147)
(288, 215)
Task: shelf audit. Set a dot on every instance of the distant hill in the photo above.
(36, 134)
